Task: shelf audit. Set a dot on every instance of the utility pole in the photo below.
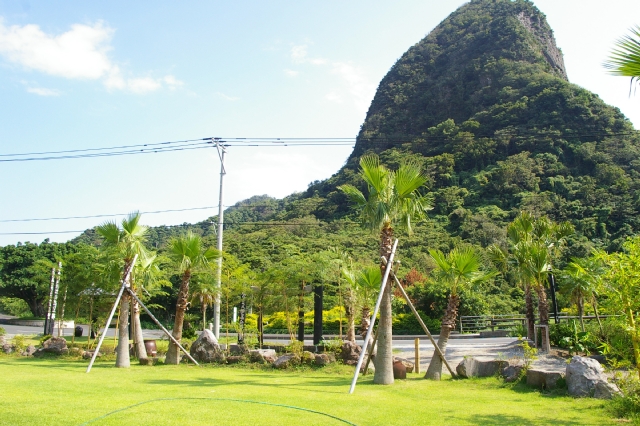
(216, 306)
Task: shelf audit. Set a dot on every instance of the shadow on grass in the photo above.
(265, 380)
(508, 419)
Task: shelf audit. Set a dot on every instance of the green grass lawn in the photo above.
(59, 392)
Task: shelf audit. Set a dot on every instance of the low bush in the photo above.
(19, 342)
(408, 324)
(2, 331)
(628, 405)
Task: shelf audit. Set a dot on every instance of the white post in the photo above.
(48, 317)
(235, 314)
(373, 316)
(54, 305)
(216, 305)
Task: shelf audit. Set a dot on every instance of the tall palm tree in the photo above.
(457, 271)
(187, 251)
(393, 200)
(625, 58)
(126, 241)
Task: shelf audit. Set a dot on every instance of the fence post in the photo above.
(417, 357)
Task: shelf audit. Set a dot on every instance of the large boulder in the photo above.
(237, 349)
(350, 353)
(206, 348)
(308, 357)
(286, 361)
(55, 345)
(585, 376)
(264, 356)
(472, 367)
(543, 379)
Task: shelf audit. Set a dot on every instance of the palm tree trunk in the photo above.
(384, 355)
(204, 316)
(365, 321)
(173, 354)
(138, 340)
(122, 350)
(530, 314)
(543, 311)
(434, 372)
(351, 327)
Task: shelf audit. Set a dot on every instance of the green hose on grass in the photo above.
(219, 399)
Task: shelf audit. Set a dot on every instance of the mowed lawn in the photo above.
(59, 392)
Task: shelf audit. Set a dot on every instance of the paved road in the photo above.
(457, 349)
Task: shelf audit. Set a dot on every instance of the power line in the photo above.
(105, 215)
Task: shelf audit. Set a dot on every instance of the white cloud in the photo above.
(299, 56)
(356, 82)
(227, 97)
(334, 96)
(42, 91)
(291, 73)
(78, 54)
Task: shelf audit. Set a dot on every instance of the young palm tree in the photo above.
(393, 200)
(625, 58)
(187, 251)
(582, 281)
(458, 270)
(204, 294)
(127, 241)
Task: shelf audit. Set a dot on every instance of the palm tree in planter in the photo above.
(190, 255)
(393, 200)
(126, 242)
(457, 271)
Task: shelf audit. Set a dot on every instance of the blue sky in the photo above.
(79, 74)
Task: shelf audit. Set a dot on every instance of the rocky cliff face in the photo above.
(473, 60)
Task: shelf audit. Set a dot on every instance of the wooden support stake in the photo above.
(417, 356)
(373, 345)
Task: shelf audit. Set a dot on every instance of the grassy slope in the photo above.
(40, 391)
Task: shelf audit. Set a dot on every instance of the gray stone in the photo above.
(606, 391)
(543, 379)
(265, 356)
(407, 364)
(235, 359)
(324, 359)
(308, 357)
(29, 351)
(350, 353)
(236, 349)
(55, 345)
(7, 348)
(286, 360)
(511, 373)
(89, 354)
(472, 367)
(584, 375)
(206, 348)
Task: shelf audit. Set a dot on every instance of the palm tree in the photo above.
(582, 281)
(393, 200)
(625, 58)
(204, 294)
(457, 271)
(187, 251)
(127, 241)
